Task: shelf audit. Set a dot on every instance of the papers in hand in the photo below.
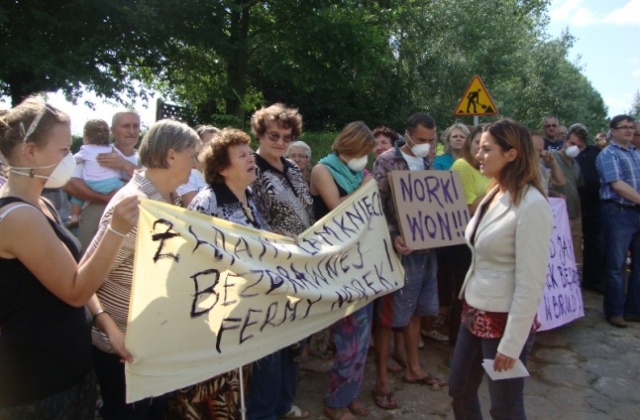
(518, 370)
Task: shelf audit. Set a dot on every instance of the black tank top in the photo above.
(320, 209)
(45, 344)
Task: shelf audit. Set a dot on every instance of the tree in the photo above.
(634, 111)
(67, 44)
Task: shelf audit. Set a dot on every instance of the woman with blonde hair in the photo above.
(333, 179)
(453, 141)
(509, 236)
(45, 341)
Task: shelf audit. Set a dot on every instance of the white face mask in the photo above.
(419, 150)
(358, 164)
(58, 178)
(572, 151)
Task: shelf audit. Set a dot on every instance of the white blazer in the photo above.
(509, 261)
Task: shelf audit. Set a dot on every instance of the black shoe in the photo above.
(632, 318)
(617, 321)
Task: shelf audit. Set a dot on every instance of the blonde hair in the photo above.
(446, 136)
(355, 139)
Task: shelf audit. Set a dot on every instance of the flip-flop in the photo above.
(296, 413)
(428, 379)
(358, 408)
(385, 400)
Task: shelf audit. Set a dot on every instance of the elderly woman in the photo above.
(333, 179)
(229, 169)
(283, 198)
(385, 138)
(453, 140)
(300, 153)
(167, 152)
(45, 345)
(509, 237)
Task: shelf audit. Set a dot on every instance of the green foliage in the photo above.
(634, 111)
(335, 60)
(319, 142)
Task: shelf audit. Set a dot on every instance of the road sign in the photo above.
(476, 101)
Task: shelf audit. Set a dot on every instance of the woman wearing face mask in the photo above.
(45, 340)
(565, 158)
(332, 180)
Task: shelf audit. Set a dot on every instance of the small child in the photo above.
(100, 179)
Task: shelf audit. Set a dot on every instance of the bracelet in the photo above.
(97, 314)
(115, 232)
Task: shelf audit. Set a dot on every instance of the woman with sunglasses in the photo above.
(45, 330)
(283, 199)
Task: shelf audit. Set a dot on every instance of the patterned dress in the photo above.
(218, 397)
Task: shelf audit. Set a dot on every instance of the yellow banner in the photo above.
(209, 296)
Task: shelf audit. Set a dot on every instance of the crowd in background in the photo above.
(63, 325)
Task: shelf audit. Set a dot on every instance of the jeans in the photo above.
(507, 400)
(621, 227)
(272, 387)
(110, 373)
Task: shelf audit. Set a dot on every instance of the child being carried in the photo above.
(99, 179)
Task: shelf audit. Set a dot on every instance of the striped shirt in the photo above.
(615, 163)
(115, 293)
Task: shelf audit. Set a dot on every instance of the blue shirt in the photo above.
(443, 162)
(616, 163)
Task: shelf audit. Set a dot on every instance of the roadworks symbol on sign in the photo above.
(476, 100)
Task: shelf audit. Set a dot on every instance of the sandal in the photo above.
(334, 413)
(358, 408)
(296, 413)
(385, 400)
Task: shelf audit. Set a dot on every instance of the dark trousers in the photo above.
(453, 263)
(110, 373)
(507, 399)
(593, 250)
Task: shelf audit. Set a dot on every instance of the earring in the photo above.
(32, 173)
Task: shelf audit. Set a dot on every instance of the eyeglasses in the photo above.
(626, 127)
(295, 156)
(35, 122)
(274, 137)
(550, 125)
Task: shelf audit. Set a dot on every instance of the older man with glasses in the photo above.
(550, 129)
(619, 169)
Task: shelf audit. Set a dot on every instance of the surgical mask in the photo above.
(58, 178)
(572, 151)
(358, 164)
(420, 150)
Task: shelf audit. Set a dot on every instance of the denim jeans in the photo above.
(621, 227)
(507, 400)
(272, 387)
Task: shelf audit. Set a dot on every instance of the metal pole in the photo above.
(476, 120)
(243, 408)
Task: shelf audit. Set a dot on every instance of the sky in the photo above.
(607, 48)
(607, 45)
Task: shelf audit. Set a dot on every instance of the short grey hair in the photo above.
(163, 136)
(300, 145)
(118, 114)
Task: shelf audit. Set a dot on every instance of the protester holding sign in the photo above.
(332, 180)
(419, 296)
(282, 196)
(167, 152)
(509, 236)
(229, 168)
(45, 342)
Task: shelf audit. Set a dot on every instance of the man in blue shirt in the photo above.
(619, 170)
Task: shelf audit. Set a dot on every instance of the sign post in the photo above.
(475, 102)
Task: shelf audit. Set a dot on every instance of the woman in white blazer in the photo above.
(509, 239)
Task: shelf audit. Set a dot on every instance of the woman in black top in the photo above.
(45, 341)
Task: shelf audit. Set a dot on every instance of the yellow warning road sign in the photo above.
(476, 101)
